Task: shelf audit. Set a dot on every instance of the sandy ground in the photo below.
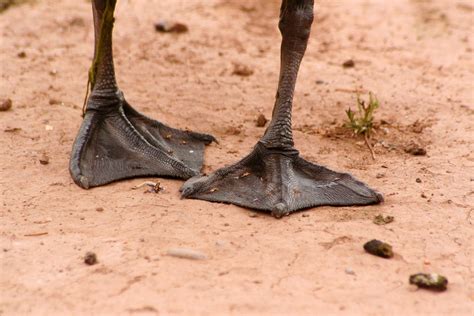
(416, 56)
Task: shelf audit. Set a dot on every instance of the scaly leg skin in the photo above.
(115, 141)
(273, 177)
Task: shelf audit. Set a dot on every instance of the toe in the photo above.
(280, 210)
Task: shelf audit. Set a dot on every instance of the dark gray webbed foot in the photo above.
(115, 141)
(120, 143)
(279, 182)
(274, 177)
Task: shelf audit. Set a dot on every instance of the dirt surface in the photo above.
(416, 56)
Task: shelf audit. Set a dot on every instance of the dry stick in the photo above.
(369, 146)
(36, 234)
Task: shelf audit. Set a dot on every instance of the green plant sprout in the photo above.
(362, 121)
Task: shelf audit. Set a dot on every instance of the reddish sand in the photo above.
(415, 55)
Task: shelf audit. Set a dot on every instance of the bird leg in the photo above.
(273, 177)
(115, 141)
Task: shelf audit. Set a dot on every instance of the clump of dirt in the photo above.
(379, 248)
(431, 281)
(383, 220)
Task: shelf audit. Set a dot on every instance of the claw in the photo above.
(280, 210)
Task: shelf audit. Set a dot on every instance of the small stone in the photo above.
(430, 281)
(423, 195)
(242, 70)
(379, 248)
(349, 271)
(415, 150)
(319, 82)
(21, 54)
(90, 258)
(44, 159)
(418, 180)
(261, 120)
(383, 220)
(53, 101)
(171, 27)
(5, 105)
(99, 209)
(380, 175)
(348, 63)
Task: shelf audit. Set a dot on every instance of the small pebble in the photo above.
(261, 120)
(99, 209)
(380, 175)
(21, 54)
(5, 105)
(90, 258)
(348, 63)
(415, 150)
(379, 248)
(349, 271)
(429, 281)
(54, 102)
(242, 70)
(44, 159)
(171, 27)
(418, 180)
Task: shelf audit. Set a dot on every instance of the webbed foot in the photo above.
(118, 142)
(115, 141)
(279, 182)
(273, 177)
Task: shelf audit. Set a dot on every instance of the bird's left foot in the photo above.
(279, 182)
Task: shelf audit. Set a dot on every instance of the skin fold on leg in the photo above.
(115, 141)
(273, 177)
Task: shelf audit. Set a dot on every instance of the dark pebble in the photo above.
(379, 248)
(90, 258)
(348, 64)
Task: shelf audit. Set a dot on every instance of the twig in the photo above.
(369, 146)
(186, 254)
(36, 234)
